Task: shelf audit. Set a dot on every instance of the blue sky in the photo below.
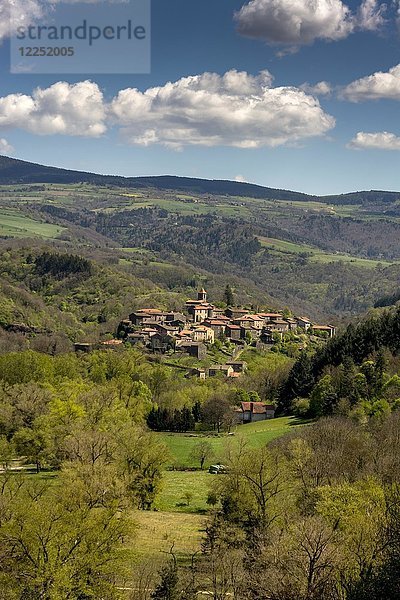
(268, 129)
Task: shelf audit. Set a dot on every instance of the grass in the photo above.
(257, 434)
(286, 246)
(267, 361)
(16, 224)
(180, 519)
(176, 486)
(317, 255)
(157, 531)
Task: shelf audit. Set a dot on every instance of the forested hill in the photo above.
(366, 197)
(349, 372)
(13, 171)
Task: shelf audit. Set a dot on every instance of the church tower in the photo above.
(202, 295)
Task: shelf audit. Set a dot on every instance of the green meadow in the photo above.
(16, 224)
(317, 255)
(181, 445)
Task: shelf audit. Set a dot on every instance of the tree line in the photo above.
(351, 366)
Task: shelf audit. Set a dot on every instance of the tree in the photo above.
(201, 452)
(228, 296)
(196, 410)
(6, 452)
(140, 460)
(323, 398)
(167, 589)
(214, 410)
(55, 546)
(299, 383)
(31, 444)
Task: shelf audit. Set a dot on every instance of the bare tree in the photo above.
(201, 452)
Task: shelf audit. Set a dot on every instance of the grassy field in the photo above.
(181, 445)
(317, 255)
(157, 531)
(16, 224)
(184, 491)
(181, 506)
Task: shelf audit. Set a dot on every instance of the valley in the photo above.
(120, 389)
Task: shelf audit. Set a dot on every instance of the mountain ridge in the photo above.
(15, 171)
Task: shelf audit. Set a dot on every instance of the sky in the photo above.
(292, 94)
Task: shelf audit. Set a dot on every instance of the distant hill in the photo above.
(13, 171)
(366, 197)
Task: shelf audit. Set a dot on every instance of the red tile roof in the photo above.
(257, 408)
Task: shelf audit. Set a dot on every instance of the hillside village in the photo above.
(201, 324)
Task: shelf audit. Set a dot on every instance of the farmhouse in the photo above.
(249, 412)
(225, 370)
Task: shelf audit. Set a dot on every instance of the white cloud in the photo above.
(60, 109)
(236, 109)
(23, 12)
(300, 22)
(240, 179)
(380, 85)
(370, 15)
(5, 147)
(375, 141)
(322, 88)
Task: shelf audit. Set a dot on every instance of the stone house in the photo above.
(252, 331)
(280, 325)
(257, 321)
(270, 316)
(199, 373)
(233, 332)
(201, 312)
(146, 316)
(175, 317)
(250, 412)
(161, 343)
(225, 370)
(217, 325)
(304, 323)
(136, 338)
(167, 330)
(236, 313)
(196, 349)
(203, 334)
